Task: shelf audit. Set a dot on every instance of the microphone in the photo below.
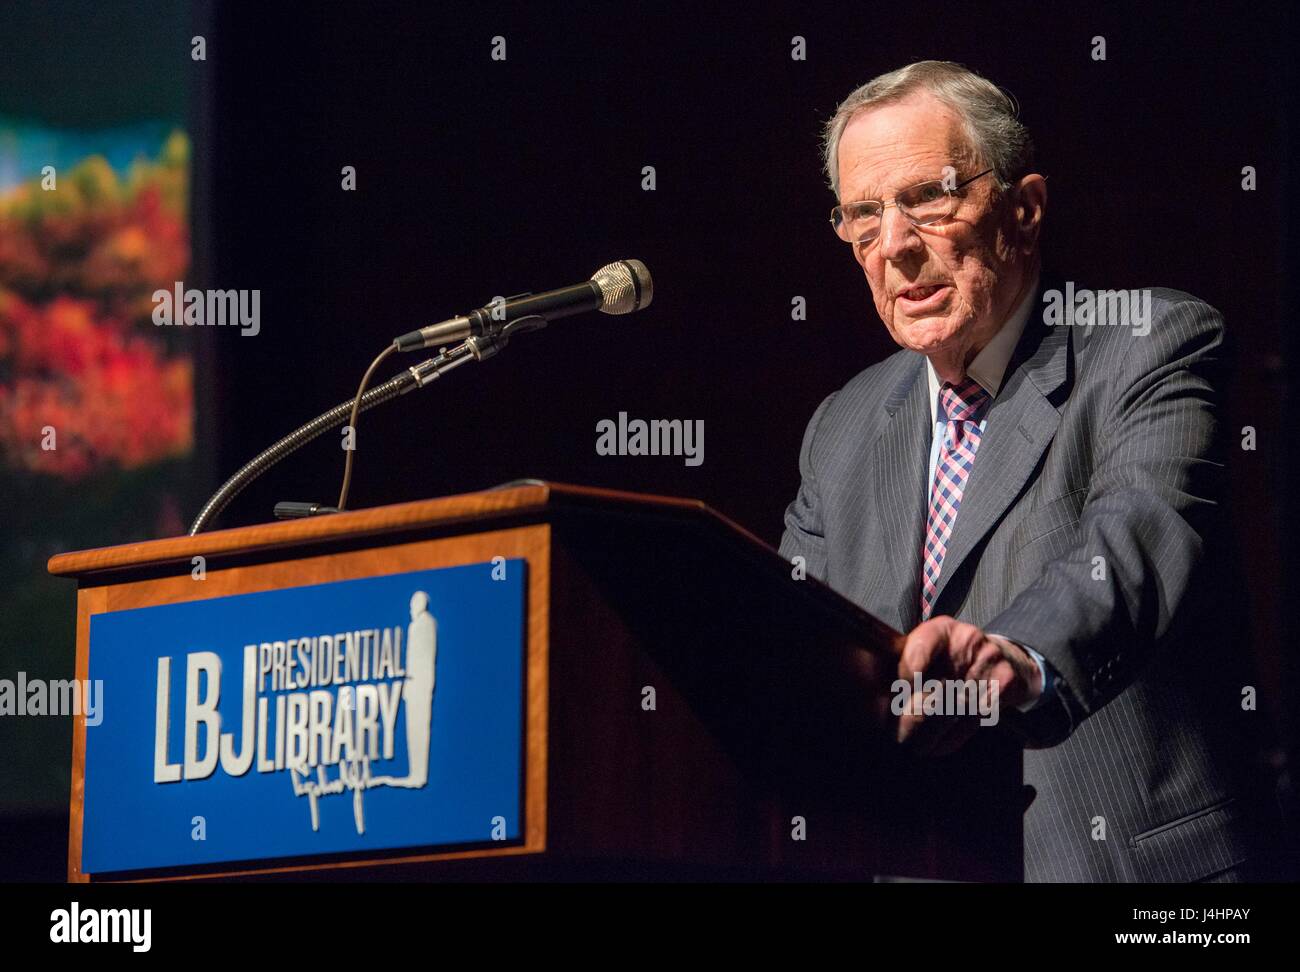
(616, 288)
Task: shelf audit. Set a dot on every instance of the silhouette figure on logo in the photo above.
(421, 656)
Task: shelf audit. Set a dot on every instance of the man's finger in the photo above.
(927, 640)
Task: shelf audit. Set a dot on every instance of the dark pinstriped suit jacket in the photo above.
(1082, 533)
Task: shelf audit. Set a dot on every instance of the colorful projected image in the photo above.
(86, 382)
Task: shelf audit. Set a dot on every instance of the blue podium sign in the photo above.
(361, 715)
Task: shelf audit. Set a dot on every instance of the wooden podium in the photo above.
(769, 750)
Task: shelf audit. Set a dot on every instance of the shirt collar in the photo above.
(989, 367)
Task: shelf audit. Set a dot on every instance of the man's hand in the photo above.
(944, 648)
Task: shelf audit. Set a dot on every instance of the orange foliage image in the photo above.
(87, 383)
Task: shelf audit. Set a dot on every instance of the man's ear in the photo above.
(1029, 206)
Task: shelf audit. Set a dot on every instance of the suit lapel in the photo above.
(894, 473)
(1021, 423)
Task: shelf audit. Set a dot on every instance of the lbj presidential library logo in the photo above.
(330, 723)
(384, 712)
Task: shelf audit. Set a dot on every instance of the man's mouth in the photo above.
(923, 296)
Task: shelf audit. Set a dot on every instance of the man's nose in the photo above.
(898, 235)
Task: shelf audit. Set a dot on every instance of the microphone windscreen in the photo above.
(625, 286)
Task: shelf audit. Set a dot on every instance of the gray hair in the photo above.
(994, 134)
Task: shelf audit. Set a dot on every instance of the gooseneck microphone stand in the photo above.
(475, 348)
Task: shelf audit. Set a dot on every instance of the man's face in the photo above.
(947, 287)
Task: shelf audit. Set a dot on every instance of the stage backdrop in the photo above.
(97, 405)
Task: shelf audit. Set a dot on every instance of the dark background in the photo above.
(477, 178)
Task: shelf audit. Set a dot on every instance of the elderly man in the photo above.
(1030, 500)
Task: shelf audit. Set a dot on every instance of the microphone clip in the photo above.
(492, 340)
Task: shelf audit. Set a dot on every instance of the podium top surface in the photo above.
(530, 497)
(529, 500)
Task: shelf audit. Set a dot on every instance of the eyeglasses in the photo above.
(925, 203)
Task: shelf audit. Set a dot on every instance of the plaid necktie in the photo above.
(960, 407)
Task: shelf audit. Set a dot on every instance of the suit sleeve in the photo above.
(804, 528)
(1099, 612)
